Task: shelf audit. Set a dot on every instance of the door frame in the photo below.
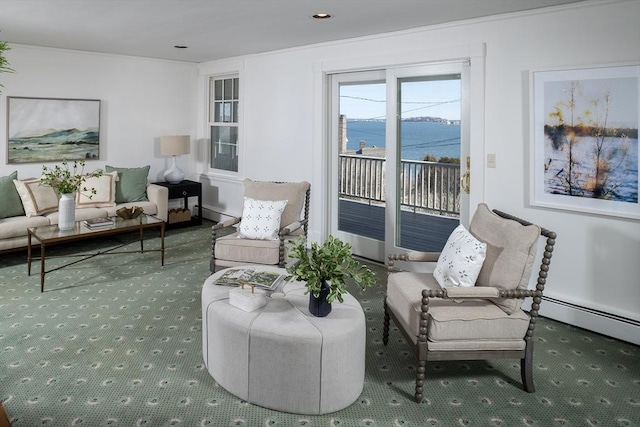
(322, 173)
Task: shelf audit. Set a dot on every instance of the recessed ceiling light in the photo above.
(321, 16)
(180, 46)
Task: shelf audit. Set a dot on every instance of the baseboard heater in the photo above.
(604, 323)
(213, 215)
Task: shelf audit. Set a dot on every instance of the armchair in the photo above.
(228, 250)
(480, 322)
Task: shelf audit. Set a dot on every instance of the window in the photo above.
(223, 122)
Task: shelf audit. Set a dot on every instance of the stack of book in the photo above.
(98, 222)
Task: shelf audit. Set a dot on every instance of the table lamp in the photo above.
(175, 145)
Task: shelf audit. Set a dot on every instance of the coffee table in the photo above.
(51, 234)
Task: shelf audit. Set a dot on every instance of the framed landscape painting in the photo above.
(47, 130)
(585, 140)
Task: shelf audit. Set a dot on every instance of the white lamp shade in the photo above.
(175, 145)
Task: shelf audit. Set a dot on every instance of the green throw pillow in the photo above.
(132, 183)
(11, 202)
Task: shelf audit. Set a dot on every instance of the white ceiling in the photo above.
(215, 29)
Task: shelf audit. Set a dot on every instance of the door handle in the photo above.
(465, 181)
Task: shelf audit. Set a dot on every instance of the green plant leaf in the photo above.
(331, 261)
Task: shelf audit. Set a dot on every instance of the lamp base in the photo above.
(174, 174)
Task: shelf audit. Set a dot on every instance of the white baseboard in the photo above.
(593, 320)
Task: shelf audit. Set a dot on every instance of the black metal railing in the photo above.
(427, 187)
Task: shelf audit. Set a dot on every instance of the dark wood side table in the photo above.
(184, 190)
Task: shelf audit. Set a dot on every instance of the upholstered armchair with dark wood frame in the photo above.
(480, 322)
(229, 250)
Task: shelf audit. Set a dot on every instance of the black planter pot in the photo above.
(319, 306)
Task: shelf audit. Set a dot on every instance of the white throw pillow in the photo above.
(261, 219)
(105, 196)
(461, 259)
(36, 199)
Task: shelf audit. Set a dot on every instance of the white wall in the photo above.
(595, 264)
(141, 100)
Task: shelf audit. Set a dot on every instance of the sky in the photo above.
(623, 99)
(424, 98)
(29, 116)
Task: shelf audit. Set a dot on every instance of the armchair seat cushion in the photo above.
(231, 248)
(454, 325)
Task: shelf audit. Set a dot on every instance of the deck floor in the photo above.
(419, 232)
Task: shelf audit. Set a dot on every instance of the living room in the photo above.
(594, 282)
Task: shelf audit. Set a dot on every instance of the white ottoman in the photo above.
(280, 356)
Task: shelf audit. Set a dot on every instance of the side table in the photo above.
(184, 190)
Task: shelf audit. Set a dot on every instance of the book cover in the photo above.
(98, 222)
(265, 279)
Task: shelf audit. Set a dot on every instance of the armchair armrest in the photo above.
(225, 224)
(479, 292)
(413, 256)
(292, 227)
(472, 292)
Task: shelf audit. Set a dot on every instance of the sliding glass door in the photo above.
(397, 141)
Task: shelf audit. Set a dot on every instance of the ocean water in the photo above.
(418, 138)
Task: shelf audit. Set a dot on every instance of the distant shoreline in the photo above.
(420, 137)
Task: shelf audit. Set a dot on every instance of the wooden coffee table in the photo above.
(51, 234)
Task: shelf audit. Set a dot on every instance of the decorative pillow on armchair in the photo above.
(461, 259)
(261, 219)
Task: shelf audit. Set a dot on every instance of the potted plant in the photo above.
(324, 269)
(67, 180)
(4, 64)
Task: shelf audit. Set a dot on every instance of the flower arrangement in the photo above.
(67, 179)
(331, 262)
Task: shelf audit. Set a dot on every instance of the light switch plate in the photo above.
(491, 160)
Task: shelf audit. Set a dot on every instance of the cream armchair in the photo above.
(480, 322)
(228, 250)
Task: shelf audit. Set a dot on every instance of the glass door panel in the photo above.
(429, 136)
(358, 184)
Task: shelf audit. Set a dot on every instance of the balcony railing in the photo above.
(425, 187)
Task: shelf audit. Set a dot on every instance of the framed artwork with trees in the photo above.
(584, 133)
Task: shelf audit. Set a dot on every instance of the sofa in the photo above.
(26, 204)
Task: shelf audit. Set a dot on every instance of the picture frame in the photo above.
(41, 130)
(584, 139)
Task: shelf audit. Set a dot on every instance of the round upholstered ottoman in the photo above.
(280, 356)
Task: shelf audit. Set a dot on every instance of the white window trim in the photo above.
(208, 124)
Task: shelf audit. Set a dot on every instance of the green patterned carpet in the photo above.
(116, 341)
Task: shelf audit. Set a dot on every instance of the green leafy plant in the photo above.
(4, 64)
(67, 179)
(333, 262)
